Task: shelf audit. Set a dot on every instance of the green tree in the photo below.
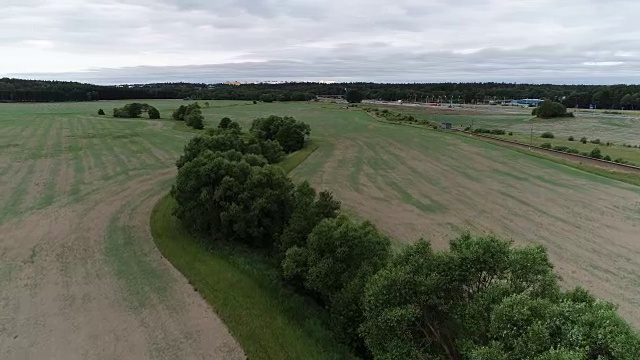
(289, 132)
(354, 96)
(100, 112)
(153, 113)
(339, 258)
(179, 113)
(206, 104)
(224, 123)
(194, 118)
(550, 109)
(425, 304)
(215, 143)
(309, 209)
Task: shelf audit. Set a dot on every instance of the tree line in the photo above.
(481, 300)
(583, 96)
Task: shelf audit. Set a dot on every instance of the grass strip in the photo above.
(269, 320)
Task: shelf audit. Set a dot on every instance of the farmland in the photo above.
(76, 191)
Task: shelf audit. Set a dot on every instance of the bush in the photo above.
(550, 109)
(561, 148)
(510, 133)
(289, 132)
(595, 153)
(583, 140)
(607, 158)
(354, 96)
(153, 113)
(497, 132)
(571, 138)
(467, 128)
(224, 123)
(596, 141)
(545, 145)
(254, 102)
(100, 112)
(547, 135)
(573, 151)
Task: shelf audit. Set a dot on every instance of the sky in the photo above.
(144, 41)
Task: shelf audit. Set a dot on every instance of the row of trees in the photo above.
(602, 96)
(481, 300)
(134, 110)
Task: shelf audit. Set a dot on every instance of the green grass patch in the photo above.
(295, 159)
(268, 320)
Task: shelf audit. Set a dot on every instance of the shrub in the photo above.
(583, 140)
(100, 112)
(510, 133)
(354, 96)
(497, 132)
(224, 123)
(550, 109)
(467, 128)
(153, 113)
(573, 151)
(608, 144)
(595, 153)
(607, 158)
(561, 148)
(583, 153)
(545, 145)
(254, 102)
(596, 141)
(571, 138)
(547, 135)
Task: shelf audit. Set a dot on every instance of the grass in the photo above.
(268, 320)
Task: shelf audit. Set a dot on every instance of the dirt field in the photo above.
(80, 277)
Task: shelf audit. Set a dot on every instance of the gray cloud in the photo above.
(126, 41)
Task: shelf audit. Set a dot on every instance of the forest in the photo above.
(583, 96)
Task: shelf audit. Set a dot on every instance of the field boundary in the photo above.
(610, 164)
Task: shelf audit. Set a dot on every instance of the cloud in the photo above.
(127, 41)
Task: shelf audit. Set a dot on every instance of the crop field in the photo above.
(76, 191)
(80, 277)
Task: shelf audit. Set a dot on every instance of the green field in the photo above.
(76, 191)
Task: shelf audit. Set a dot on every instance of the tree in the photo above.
(338, 259)
(550, 109)
(194, 118)
(153, 113)
(289, 132)
(309, 209)
(354, 96)
(100, 112)
(179, 113)
(133, 110)
(427, 304)
(206, 104)
(222, 142)
(224, 123)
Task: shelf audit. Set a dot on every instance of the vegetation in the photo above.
(101, 112)
(551, 109)
(547, 135)
(602, 96)
(354, 97)
(134, 110)
(489, 131)
(482, 298)
(486, 300)
(287, 131)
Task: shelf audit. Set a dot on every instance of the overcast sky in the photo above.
(138, 41)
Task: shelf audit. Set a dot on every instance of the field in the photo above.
(81, 278)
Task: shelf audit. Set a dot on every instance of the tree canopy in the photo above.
(289, 132)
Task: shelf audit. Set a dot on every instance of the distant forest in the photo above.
(602, 96)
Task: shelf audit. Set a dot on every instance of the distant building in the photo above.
(526, 102)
